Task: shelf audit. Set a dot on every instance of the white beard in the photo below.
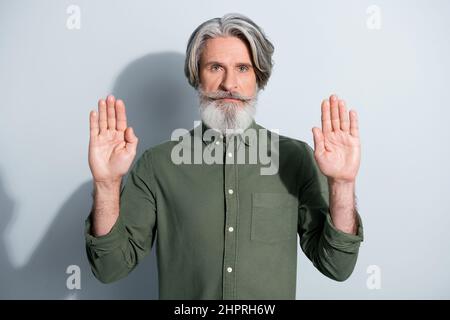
(228, 117)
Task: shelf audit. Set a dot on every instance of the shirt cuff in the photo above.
(340, 240)
(107, 243)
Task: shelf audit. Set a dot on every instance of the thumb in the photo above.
(318, 140)
(131, 139)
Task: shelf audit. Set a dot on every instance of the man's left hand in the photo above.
(337, 147)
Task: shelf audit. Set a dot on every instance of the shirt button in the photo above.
(230, 191)
(229, 269)
(230, 154)
(230, 229)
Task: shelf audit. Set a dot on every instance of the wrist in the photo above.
(332, 182)
(107, 184)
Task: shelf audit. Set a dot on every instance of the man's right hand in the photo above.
(112, 145)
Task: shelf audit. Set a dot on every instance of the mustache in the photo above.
(215, 95)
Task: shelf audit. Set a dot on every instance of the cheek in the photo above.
(249, 84)
(209, 82)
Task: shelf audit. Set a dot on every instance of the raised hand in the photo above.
(337, 147)
(112, 145)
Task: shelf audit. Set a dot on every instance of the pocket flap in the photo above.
(274, 200)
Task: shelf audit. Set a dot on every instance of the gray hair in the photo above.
(232, 24)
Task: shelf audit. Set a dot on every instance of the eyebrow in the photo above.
(221, 64)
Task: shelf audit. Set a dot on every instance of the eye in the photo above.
(243, 68)
(215, 67)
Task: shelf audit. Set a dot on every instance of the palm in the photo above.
(337, 145)
(112, 146)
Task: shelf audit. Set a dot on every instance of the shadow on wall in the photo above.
(158, 100)
(7, 272)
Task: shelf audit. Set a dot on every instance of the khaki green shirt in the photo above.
(225, 229)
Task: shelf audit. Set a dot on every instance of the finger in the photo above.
(102, 115)
(345, 124)
(354, 129)
(121, 116)
(93, 124)
(326, 121)
(110, 101)
(335, 123)
(319, 145)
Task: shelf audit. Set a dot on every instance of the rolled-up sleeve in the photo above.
(114, 255)
(333, 252)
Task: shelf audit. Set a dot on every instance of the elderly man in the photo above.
(225, 229)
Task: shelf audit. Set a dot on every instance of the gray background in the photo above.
(395, 77)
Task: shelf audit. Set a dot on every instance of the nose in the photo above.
(229, 82)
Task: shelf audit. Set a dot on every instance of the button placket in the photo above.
(229, 276)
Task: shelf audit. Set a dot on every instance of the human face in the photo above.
(227, 85)
(226, 65)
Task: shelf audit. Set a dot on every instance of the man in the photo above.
(226, 230)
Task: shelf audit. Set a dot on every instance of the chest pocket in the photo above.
(274, 217)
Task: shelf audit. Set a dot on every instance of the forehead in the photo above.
(226, 49)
